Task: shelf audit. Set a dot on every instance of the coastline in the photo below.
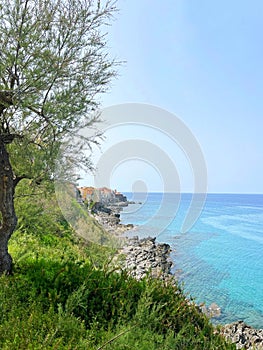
(145, 257)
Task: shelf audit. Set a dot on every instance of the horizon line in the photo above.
(186, 192)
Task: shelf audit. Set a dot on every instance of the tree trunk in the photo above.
(8, 219)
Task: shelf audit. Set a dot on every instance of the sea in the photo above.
(220, 258)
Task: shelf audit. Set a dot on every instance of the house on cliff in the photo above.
(102, 195)
(87, 193)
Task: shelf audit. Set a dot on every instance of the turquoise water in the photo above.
(220, 260)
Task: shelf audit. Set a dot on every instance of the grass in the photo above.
(64, 295)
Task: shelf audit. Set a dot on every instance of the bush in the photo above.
(64, 295)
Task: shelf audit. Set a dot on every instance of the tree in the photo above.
(53, 65)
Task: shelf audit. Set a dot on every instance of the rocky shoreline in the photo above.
(244, 336)
(146, 257)
(109, 217)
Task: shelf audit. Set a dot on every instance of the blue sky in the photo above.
(202, 61)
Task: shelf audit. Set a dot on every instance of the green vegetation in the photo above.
(57, 289)
(63, 292)
(64, 295)
(53, 68)
(78, 217)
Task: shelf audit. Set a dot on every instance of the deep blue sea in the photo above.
(220, 259)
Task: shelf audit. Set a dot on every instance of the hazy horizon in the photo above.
(203, 63)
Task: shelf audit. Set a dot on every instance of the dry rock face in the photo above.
(244, 336)
(109, 217)
(146, 257)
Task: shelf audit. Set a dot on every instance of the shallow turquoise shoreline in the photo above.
(220, 259)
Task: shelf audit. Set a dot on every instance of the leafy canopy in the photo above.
(52, 67)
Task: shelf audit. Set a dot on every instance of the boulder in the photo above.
(244, 336)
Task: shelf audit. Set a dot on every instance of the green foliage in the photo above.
(90, 204)
(64, 294)
(77, 215)
(53, 66)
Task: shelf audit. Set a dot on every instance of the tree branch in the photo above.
(19, 178)
(116, 337)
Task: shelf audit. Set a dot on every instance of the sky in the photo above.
(202, 62)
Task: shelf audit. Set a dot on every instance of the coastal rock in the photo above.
(212, 311)
(244, 336)
(109, 217)
(146, 257)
